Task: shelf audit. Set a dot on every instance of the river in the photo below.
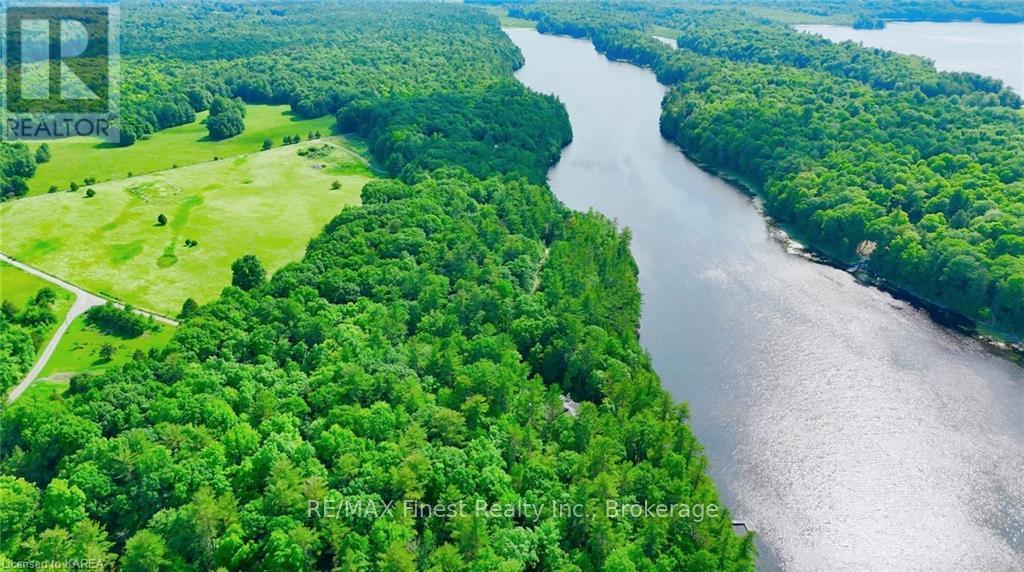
(996, 50)
(845, 427)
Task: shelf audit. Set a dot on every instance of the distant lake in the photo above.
(995, 50)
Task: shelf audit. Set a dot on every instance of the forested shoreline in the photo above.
(418, 352)
(462, 337)
(873, 13)
(921, 183)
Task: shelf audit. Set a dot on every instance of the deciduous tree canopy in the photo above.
(418, 352)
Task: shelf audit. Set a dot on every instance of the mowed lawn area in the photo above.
(78, 158)
(79, 349)
(19, 287)
(267, 203)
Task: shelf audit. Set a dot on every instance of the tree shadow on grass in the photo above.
(106, 145)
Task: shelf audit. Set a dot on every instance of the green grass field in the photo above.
(79, 349)
(78, 158)
(19, 286)
(267, 203)
(507, 21)
(664, 32)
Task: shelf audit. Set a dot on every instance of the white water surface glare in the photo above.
(844, 426)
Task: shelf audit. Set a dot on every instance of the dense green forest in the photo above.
(371, 60)
(179, 56)
(421, 348)
(500, 129)
(925, 183)
(417, 353)
(23, 331)
(870, 13)
(876, 11)
(744, 37)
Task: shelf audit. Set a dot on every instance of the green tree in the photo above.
(8, 310)
(397, 558)
(43, 153)
(107, 351)
(144, 552)
(63, 505)
(188, 309)
(225, 125)
(19, 502)
(45, 297)
(247, 272)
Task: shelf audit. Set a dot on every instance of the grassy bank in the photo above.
(78, 158)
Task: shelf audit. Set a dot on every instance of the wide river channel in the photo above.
(844, 426)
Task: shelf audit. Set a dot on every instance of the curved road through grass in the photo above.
(83, 301)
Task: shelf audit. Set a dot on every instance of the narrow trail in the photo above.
(83, 301)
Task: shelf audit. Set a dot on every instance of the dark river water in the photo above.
(844, 426)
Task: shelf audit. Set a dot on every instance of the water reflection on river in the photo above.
(844, 426)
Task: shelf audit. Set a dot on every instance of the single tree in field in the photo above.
(226, 118)
(161, 219)
(309, 136)
(107, 351)
(247, 272)
(74, 186)
(90, 180)
(317, 134)
(225, 125)
(43, 154)
(336, 185)
(267, 144)
(89, 193)
(52, 189)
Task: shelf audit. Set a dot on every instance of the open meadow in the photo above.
(80, 350)
(267, 203)
(78, 158)
(18, 287)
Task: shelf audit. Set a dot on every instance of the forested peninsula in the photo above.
(417, 353)
(875, 158)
